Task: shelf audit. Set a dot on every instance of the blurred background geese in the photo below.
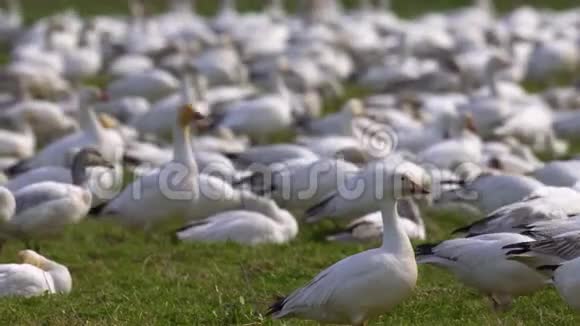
(35, 275)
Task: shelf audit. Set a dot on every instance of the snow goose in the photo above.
(370, 283)
(258, 220)
(45, 208)
(490, 191)
(545, 251)
(93, 134)
(339, 123)
(7, 205)
(262, 116)
(559, 173)
(479, 262)
(265, 155)
(450, 153)
(16, 137)
(298, 184)
(566, 280)
(550, 228)
(35, 276)
(355, 192)
(10, 20)
(157, 195)
(370, 228)
(152, 85)
(548, 203)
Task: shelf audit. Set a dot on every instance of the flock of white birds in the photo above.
(191, 104)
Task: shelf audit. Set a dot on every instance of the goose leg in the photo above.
(501, 303)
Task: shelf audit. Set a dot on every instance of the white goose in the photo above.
(479, 262)
(490, 191)
(370, 227)
(258, 221)
(298, 184)
(548, 203)
(36, 275)
(93, 134)
(7, 205)
(17, 138)
(368, 284)
(559, 173)
(147, 201)
(151, 84)
(355, 193)
(45, 208)
(550, 228)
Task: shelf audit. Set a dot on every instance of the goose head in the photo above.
(7, 205)
(85, 158)
(89, 95)
(409, 180)
(60, 275)
(188, 114)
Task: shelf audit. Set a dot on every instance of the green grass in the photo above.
(122, 277)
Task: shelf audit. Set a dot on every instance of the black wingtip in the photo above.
(17, 168)
(462, 230)
(97, 210)
(425, 249)
(315, 210)
(517, 248)
(548, 267)
(278, 305)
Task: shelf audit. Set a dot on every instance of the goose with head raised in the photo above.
(370, 283)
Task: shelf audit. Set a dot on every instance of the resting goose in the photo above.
(370, 227)
(45, 208)
(151, 84)
(370, 283)
(547, 203)
(259, 220)
(35, 276)
(479, 262)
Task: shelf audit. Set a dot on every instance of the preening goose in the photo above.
(479, 262)
(36, 275)
(258, 220)
(370, 283)
(45, 208)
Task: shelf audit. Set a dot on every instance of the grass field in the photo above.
(127, 278)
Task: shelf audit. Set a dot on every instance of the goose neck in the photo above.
(79, 171)
(182, 151)
(395, 240)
